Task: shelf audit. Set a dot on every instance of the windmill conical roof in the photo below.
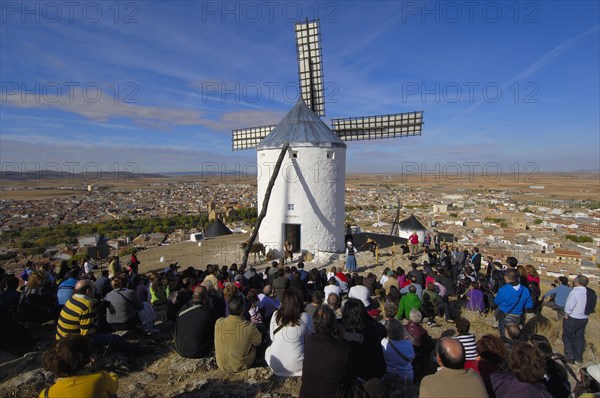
(411, 223)
(217, 228)
(301, 127)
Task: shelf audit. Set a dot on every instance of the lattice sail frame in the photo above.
(378, 126)
(250, 137)
(310, 65)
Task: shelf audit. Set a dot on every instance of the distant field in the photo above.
(573, 186)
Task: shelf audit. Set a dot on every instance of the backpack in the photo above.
(590, 302)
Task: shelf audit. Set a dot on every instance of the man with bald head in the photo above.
(195, 326)
(267, 303)
(451, 379)
(78, 315)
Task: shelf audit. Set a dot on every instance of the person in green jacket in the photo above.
(408, 302)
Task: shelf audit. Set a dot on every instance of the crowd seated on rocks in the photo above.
(342, 333)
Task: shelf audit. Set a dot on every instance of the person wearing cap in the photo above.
(195, 326)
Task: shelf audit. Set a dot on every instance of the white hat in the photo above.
(594, 371)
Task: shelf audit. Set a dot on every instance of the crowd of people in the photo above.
(342, 332)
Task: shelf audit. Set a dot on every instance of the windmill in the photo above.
(309, 206)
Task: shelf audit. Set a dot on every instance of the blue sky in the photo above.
(156, 86)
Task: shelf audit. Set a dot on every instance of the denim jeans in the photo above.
(505, 320)
(573, 338)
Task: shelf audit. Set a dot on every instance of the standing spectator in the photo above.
(114, 267)
(236, 339)
(195, 326)
(413, 243)
(325, 378)
(88, 266)
(512, 300)
(451, 379)
(67, 359)
(575, 320)
(476, 260)
(289, 327)
(532, 275)
(427, 241)
(134, 264)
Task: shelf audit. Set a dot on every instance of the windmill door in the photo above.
(292, 233)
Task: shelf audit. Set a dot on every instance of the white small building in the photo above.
(307, 201)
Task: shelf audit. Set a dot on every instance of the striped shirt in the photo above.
(78, 316)
(470, 345)
(575, 306)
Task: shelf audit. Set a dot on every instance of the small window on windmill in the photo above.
(295, 154)
(290, 207)
(330, 155)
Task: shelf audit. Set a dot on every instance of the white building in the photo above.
(307, 201)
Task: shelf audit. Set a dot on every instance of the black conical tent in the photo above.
(411, 223)
(217, 228)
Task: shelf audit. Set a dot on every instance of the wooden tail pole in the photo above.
(263, 211)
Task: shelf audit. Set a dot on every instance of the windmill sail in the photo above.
(310, 65)
(378, 126)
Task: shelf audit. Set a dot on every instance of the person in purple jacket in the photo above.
(475, 297)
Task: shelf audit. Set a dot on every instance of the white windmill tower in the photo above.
(302, 162)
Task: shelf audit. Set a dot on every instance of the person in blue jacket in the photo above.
(512, 301)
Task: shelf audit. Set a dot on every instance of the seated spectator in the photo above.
(38, 303)
(364, 335)
(392, 280)
(195, 326)
(124, 305)
(560, 294)
(588, 385)
(452, 379)
(280, 284)
(332, 287)
(103, 285)
(513, 334)
(236, 339)
(433, 305)
(178, 298)
(67, 359)
(288, 329)
(408, 302)
(475, 298)
(316, 301)
(413, 282)
(65, 289)
(556, 379)
(9, 298)
(325, 378)
(421, 342)
(267, 304)
(398, 353)
(333, 302)
(492, 353)
(361, 292)
(158, 289)
(525, 379)
(468, 341)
